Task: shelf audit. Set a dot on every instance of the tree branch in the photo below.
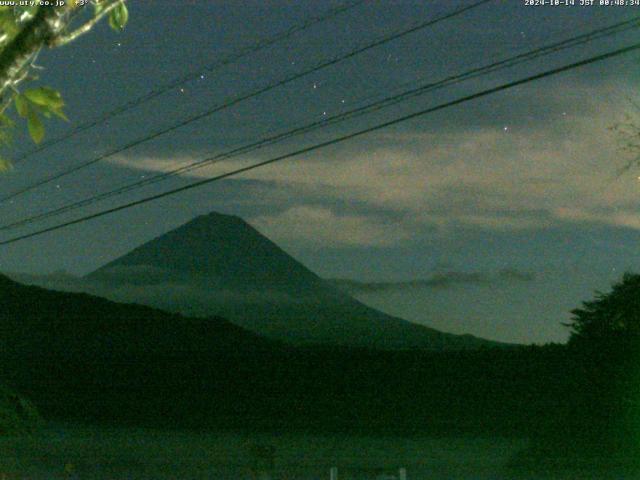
(46, 25)
(64, 39)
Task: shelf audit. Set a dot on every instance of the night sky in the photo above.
(523, 181)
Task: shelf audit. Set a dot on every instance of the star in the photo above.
(506, 129)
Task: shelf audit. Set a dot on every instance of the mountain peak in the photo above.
(219, 264)
(215, 217)
(222, 249)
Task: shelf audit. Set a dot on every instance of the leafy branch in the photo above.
(24, 32)
(118, 18)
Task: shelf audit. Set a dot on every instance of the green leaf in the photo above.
(5, 137)
(46, 100)
(119, 16)
(22, 106)
(59, 113)
(5, 165)
(6, 121)
(35, 126)
(8, 24)
(45, 97)
(98, 7)
(6, 124)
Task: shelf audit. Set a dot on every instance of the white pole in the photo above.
(333, 473)
(402, 474)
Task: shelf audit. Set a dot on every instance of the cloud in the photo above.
(127, 285)
(616, 218)
(438, 280)
(320, 226)
(529, 176)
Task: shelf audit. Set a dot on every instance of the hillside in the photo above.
(34, 321)
(83, 358)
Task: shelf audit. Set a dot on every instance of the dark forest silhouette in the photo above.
(87, 359)
(600, 424)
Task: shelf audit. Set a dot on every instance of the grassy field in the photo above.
(102, 453)
(66, 452)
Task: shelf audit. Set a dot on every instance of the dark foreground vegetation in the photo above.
(85, 359)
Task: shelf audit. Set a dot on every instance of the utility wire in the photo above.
(194, 75)
(234, 101)
(367, 109)
(334, 141)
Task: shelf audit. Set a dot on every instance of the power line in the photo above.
(610, 30)
(378, 105)
(178, 81)
(333, 141)
(243, 97)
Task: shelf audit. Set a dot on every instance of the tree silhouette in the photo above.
(605, 342)
(612, 320)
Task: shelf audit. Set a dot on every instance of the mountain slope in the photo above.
(35, 321)
(219, 264)
(222, 250)
(85, 359)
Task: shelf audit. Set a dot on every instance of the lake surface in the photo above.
(145, 454)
